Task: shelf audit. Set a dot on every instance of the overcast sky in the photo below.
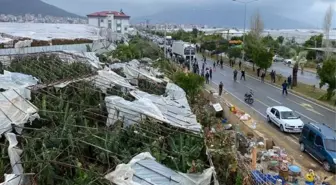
(310, 11)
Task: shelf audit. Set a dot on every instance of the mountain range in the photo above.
(220, 16)
(227, 16)
(21, 7)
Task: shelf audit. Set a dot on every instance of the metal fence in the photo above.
(97, 45)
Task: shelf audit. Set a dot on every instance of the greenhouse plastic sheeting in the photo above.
(14, 153)
(134, 69)
(91, 57)
(172, 109)
(17, 81)
(130, 112)
(176, 111)
(15, 109)
(107, 78)
(144, 170)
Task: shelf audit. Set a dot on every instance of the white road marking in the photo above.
(274, 100)
(321, 106)
(251, 88)
(262, 103)
(295, 136)
(306, 117)
(309, 108)
(292, 140)
(243, 102)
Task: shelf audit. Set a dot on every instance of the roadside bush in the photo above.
(310, 64)
(191, 83)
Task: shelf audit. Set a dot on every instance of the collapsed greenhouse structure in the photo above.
(69, 122)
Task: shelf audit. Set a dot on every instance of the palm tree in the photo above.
(299, 58)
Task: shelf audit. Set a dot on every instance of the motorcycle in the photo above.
(249, 98)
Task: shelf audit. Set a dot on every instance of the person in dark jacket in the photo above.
(207, 75)
(289, 80)
(284, 88)
(258, 71)
(240, 63)
(263, 74)
(220, 88)
(210, 72)
(242, 74)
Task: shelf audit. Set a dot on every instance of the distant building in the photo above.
(117, 21)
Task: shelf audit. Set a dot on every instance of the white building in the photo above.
(116, 21)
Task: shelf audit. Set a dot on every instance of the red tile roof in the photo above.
(105, 14)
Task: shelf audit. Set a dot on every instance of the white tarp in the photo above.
(107, 79)
(176, 111)
(15, 109)
(90, 57)
(14, 153)
(134, 69)
(144, 170)
(17, 81)
(172, 109)
(130, 112)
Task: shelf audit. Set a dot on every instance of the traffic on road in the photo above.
(291, 113)
(266, 96)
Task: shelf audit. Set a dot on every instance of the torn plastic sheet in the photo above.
(143, 170)
(134, 69)
(14, 153)
(175, 111)
(172, 109)
(130, 112)
(90, 57)
(17, 81)
(15, 109)
(107, 79)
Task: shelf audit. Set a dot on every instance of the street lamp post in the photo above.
(245, 4)
(190, 66)
(165, 47)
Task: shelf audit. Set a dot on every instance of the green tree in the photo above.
(269, 42)
(299, 57)
(280, 39)
(311, 55)
(284, 51)
(327, 76)
(314, 41)
(235, 52)
(194, 32)
(262, 57)
(191, 83)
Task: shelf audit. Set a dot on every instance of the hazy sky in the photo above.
(310, 11)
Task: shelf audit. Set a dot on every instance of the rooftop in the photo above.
(106, 13)
(282, 108)
(327, 132)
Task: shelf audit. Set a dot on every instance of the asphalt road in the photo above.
(267, 95)
(307, 77)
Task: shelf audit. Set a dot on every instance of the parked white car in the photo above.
(284, 118)
(277, 58)
(288, 61)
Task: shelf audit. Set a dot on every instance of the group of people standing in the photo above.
(207, 72)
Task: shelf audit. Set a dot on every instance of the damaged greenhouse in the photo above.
(71, 122)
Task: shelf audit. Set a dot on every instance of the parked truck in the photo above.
(183, 50)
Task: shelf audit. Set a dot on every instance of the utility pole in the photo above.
(245, 3)
(165, 45)
(190, 56)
